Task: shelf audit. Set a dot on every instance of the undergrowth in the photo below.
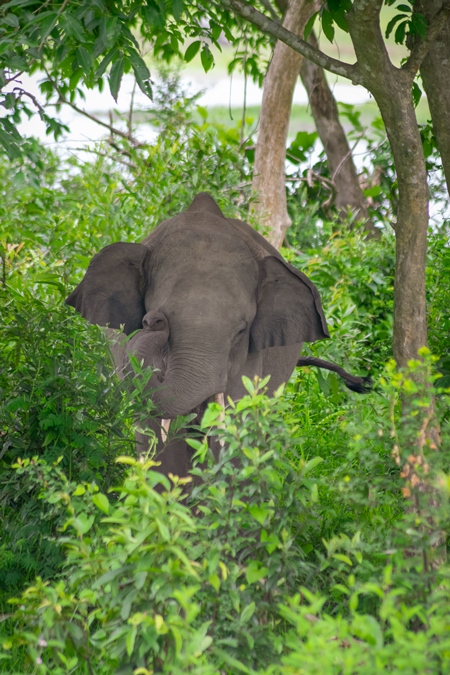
(317, 544)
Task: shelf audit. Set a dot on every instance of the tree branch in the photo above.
(270, 9)
(275, 29)
(112, 129)
(421, 47)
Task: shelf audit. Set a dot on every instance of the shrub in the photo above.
(250, 584)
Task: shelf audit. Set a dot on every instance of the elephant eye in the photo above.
(241, 328)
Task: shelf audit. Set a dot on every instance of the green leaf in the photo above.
(203, 112)
(101, 501)
(341, 588)
(337, 5)
(216, 30)
(11, 148)
(248, 384)
(327, 25)
(83, 523)
(177, 9)
(163, 530)
(367, 628)
(192, 51)
(392, 22)
(10, 128)
(372, 191)
(101, 42)
(73, 27)
(153, 15)
(343, 558)
(341, 21)
(337, 11)
(178, 638)
(131, 639)
(247, 613)
(211, 416)
(231, 661)
(310, 25)
(107, 577)
(416, 94)
(11, 20)
(418, 25)
(48, 25)
(52, 280)
(115, 77)
(215, 582)
(84, 59)
(400, 33)
(255, 571)
(105, 62)
(141, 72)
(309, 466)
(206, 58)
(404, 8)
(303, 142)
(323, 382)
(270, 541)
(260, 513)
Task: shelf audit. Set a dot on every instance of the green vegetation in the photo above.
(316, 545)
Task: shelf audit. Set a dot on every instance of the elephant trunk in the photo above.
(186, 374)
(189, 380)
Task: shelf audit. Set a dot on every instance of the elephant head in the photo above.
(206, 294)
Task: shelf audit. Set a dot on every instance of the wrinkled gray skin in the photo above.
(212, 301)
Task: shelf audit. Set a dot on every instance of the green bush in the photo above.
(245, 579)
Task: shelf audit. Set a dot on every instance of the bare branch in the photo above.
(130, 112)
(110, 127)
(349, 154)
(22, 92)
(270, 9)
(421, 47)
(275, 29)
(3, 259)
(14, 77)
(99, 153)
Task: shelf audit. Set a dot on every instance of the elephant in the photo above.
(205, 300)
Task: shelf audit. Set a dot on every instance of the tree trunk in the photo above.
(391, 88)
(435, 71)
(269, 184)
(339, 156)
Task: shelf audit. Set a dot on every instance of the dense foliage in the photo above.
(322, 549)
(278, 565)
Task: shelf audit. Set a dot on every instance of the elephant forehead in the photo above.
(197, 253)
(211, 278)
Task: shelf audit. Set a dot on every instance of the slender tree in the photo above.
(269, 185)
(349, 194)
(435, 72)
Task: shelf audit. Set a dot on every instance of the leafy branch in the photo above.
(276, 29)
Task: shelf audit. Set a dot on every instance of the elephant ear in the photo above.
(289, 308)
(112, 290)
